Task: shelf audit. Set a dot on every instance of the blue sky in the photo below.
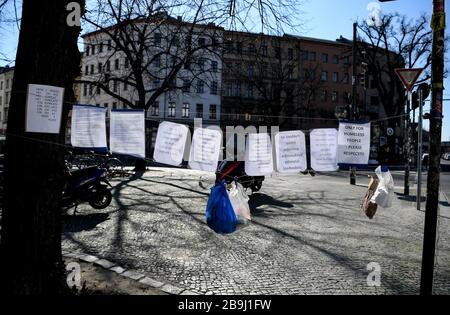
(327, 19)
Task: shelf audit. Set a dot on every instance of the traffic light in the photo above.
(425, 88)
(364, 79)
(415, 100)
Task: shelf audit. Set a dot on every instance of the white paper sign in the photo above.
(44, 108)
(127, 132)
(88, 128)
(353, 143)
(170, 143)
(205, 149)
(258, 155)
(290, 150)
(323, 144)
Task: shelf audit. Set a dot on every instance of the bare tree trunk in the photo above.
(34, 165)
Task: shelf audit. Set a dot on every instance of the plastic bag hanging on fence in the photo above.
(385, 190)
(367, 205)
(239, 201)
(220, 214)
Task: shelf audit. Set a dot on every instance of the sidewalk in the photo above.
(307, 236)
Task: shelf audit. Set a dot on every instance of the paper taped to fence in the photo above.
(44, 108)
(258, 155)
(88, 127)
(170, 143)
(290, 151)
(127, 132)
(323, 144)
(353, 143)
(205, 149)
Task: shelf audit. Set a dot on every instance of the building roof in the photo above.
(6, 69)
(340, 41)
(168, 19)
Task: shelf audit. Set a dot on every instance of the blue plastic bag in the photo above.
(220, 214)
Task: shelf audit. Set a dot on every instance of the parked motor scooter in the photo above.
(87, 185)
(231, 170)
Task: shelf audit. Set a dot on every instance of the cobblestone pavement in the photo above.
(307, 236)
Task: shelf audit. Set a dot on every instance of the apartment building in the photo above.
(194, 92)
(6, 80)
(297, 82)
(288, 80)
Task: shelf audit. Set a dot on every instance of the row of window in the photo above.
(185, 110)
(291, 53)
(90, 69)
(107, 67)
(307, 73)
(172, 109)
(335, 77)
(98, 48)
(234, 89)
(157, 40)
(334, 96)
(7, 99)
(88, 89)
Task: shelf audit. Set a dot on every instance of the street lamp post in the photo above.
(431, 209)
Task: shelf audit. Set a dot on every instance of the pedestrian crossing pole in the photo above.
(407, 144)
(419, 151)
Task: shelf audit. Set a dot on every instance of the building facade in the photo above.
(297, 83)
(6, 80)
(195, 90)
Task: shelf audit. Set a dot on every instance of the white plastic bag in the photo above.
(239, 201)
(385, 190)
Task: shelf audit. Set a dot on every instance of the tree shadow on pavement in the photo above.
(259, 199)
(410, 198)
(78, 223)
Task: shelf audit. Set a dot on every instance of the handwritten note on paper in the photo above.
(88, 127)
(290, 150)
(170, 143)
(44, 108)
(205, 149)
(127, 132)
(259, 159)
(354, 143)
(323, 149)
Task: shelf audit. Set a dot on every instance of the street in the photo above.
(307, 236)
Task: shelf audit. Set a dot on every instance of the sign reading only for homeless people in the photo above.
(353, 143)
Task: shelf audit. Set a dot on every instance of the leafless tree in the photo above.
(280, 83)
(397, 42)
(154, 45)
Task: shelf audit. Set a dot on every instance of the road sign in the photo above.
(390, 132)
(408, 76)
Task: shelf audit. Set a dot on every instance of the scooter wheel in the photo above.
(256, 187)
(101, 199)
